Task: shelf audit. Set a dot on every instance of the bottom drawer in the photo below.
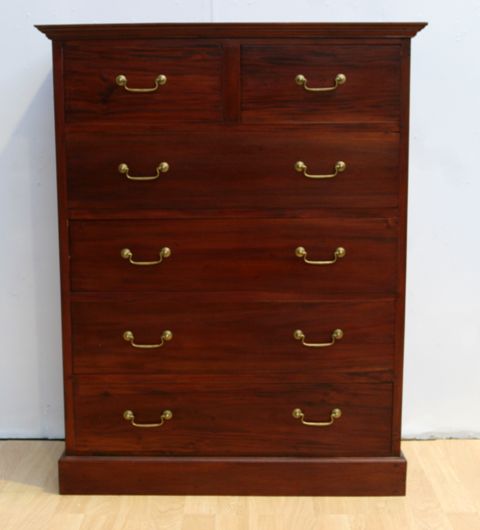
(221, 417)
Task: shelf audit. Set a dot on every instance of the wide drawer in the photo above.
(265, 255)
(192, 90)
(371, 92)
(240, 168)
(241, 335)
(230, 417)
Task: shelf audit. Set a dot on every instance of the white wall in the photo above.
(442, 390)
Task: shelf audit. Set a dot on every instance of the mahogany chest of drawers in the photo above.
(232, 210)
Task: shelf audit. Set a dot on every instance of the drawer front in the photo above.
(222, 418)
(235, 255)
(192, 90)
(371, 92)
(234, 168)
(242, 336)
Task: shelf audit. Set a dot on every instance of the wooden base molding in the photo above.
(232, 476)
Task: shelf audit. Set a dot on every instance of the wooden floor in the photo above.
(443, 492)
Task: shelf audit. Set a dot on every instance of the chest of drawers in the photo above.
(232, 212)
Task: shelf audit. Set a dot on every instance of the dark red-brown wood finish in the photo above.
(235, 255)
(230, 124)
(263, 161)
(251, 337)
(91, 92)
(232, 475)
(345, 30)
(228, 416)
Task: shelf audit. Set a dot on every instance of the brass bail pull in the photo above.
(128, 415)
(339, 167)
(121, 81)
(339, 253)
(337, 334)
(126, 253)
(163, 167)
(301, 80)
(334, 415)
(167, 336)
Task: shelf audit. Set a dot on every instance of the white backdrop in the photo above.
(442, 389)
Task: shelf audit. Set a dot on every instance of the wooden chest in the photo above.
(232, 212)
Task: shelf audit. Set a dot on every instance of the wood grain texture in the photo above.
(231, 80)
(370, 94)
(240, 167)
(312, 476)
(251, 255)
(231, 122)
(349, 30)
(192, 91)
(63, 236)
(326, 213)
(255, 337)
(402, 242)
(225, 416)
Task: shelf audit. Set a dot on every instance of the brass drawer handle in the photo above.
(339, 167)
(167, 335)
(126, 253)
(340, 79)
(337, 334)
(340, 252)
(334, 415)
(121, 80)
(163, 167)
(128, 415)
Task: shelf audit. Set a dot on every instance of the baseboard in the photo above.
(232, 476)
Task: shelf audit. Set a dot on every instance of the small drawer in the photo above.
(271, 91)
(128, 334)
(224, 417)
(237, 168)
(285, 256)
(189, 91)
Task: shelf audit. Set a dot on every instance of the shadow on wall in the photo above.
(34, 291)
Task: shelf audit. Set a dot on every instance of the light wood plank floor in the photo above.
(443, 493)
